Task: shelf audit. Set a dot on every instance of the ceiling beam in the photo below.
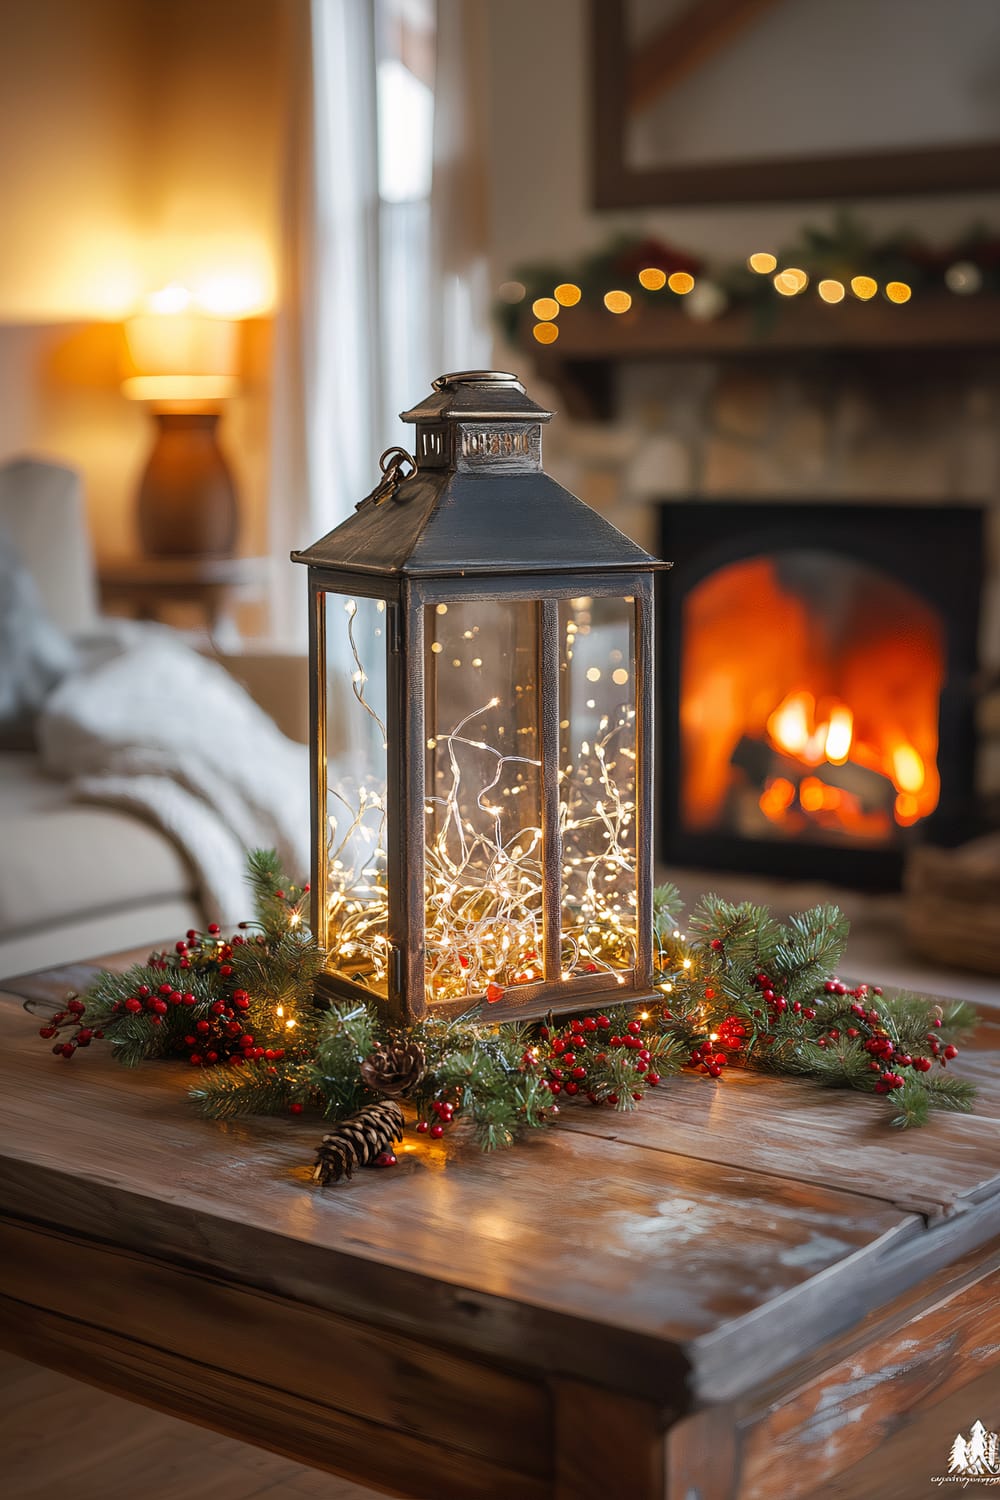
(684, 43)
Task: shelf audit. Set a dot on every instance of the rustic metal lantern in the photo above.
(481, 651)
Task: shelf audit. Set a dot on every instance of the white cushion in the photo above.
(41, 507)
(61, 860)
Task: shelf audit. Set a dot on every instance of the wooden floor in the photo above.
(62, 1440)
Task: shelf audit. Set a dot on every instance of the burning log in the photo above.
(761, 764)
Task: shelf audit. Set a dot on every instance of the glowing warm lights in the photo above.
(864, 287)
(652, 278)
(898, 291)
(617, 301)
(567, 294)
(512, 292)
(681, 282)
(763, 262)
(791, 281)
(545, 307)
(831, 291)
(545, 333)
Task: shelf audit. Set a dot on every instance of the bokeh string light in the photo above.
(484, 879)
(788, 282)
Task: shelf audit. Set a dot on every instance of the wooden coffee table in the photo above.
(742, 1290)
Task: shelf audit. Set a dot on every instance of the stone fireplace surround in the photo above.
(923, 428)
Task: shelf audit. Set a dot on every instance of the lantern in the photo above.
(481, 650)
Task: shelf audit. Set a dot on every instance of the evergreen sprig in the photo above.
(737, 988)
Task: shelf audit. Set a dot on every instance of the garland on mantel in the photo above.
(843, 262)
(739, 989)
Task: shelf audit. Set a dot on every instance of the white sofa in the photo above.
(78, 880)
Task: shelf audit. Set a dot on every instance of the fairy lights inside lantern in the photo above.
(481, 652)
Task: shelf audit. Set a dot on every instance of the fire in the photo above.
(807, 710)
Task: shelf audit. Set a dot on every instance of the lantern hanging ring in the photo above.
(391, 463)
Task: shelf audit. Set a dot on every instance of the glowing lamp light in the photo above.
(545, 333)
(482, 823)
(831, 291)
(617, 302)
(681, 282)
(763, 262)
(185, 364)
(898, 292)
(567, 294)
(652, 278)
(864, 287)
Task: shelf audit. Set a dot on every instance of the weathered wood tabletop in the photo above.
(697, 1300)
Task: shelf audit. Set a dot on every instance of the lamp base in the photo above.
(187, 500)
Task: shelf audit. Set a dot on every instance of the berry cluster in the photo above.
(72, 1017)
(445, 1112)
(577, 1056)
(886, 1055)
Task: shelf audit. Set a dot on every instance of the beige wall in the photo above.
(140, 143)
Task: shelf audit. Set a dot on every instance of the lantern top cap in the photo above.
(477, 395)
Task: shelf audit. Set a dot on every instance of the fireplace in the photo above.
(815, 680)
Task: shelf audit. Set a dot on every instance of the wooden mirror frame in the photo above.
(927, 169)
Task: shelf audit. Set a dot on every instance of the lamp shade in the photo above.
(180, 358)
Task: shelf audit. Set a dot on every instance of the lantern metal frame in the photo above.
(600, 562)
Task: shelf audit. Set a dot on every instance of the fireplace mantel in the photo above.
(592, 341)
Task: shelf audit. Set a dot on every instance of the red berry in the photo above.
(295, 1109)
(226, 970)
(212, 1057)
(159, 1006)
(716, 944)
(652, 1079)
(569, 1058)
(195, 1060)
(554, 1088)
(214, 928)
(922, 1064)
(133, 1005)
(603, 1022)
(47, 1032)
(180, 947)
(714, 1070)
(950, 1051)
(579, 1072)
(165, 989)
(589, 1024)
(634, 1027)
(385, 1159)
(67, 1049)
(437, 1131)
(572, 1088)
(876, 990)
(809, 1014)
(422, 1127)
(936, 1021)
(494, 992)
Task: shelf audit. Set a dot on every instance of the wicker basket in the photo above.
(951, 904)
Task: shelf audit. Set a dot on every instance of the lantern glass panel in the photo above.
(597, 758)
(483, 798)
(356, 891)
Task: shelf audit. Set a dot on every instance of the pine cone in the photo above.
(394, 1071)
(356, 1141)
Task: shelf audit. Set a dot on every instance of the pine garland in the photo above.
(738, 988)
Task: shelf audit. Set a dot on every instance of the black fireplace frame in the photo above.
(934, 549)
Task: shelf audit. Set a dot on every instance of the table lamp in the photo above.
(184, 364)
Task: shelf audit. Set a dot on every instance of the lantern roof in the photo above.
(479, 502)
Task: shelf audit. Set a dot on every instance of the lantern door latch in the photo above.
(393, 625)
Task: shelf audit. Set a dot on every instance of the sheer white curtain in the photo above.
(385, 280)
